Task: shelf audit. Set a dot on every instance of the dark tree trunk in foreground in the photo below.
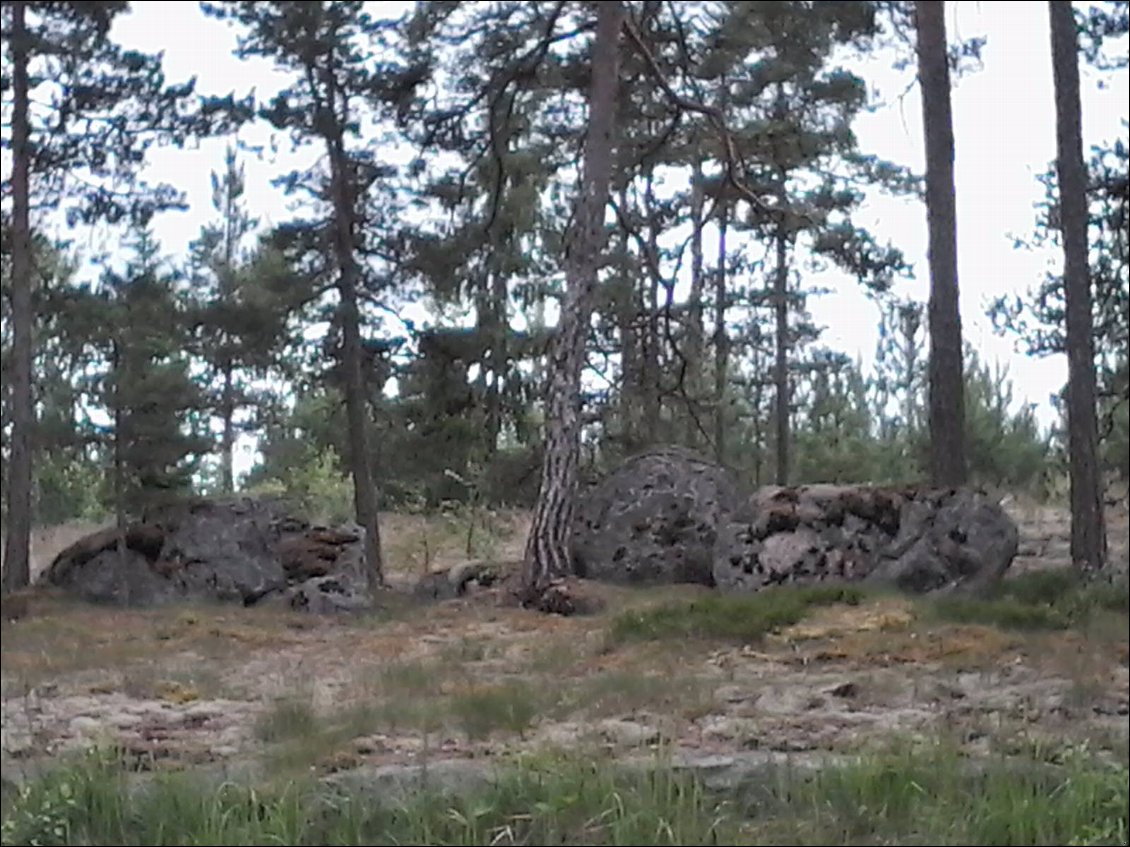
(548, 555)
(1088, 536)
(17, 569)
(947, 389)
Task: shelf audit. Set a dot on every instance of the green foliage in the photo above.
(929, 796)
(1003, 448)
(69, 487)
(108, 107)
(1037, 319)
(729, 616)
(1046, 599)
(285, 719)
(302, 457)
(941, 797)
(855, 430)
(318, 484)
(240, 313)
(510, 707)
(154, 403)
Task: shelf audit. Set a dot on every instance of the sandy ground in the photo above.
(470, 679)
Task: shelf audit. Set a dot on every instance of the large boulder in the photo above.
(653, 520)
(242, 550)
(917, 540)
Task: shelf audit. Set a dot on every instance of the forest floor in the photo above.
(467, 680)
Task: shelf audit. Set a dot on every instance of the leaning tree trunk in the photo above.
(17, 568)
(548, 555)
(947, 389)
(1088, 536)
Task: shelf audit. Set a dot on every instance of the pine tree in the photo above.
(240, 312)
(1088, 536)
(17, 571)
(947, 449)
(79, 151)
(548, 555)
(332, 49)
(155, 406)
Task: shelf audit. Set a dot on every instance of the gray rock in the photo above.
(949, 540)
(455, 581)
(654, 520)
(241, 550)
(325, 595)
(917, 540)
(119, 578)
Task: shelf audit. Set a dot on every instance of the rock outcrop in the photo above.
(917, 540)
(669, 516)
(653, 520)
(243, 550)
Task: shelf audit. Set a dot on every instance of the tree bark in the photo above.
(356, 405)
(721, 341)
(628, 312)
(548, 555)
(781, 358)
(227, 293)
(227, 402)
(499, 333)
(691, 384)
(17, 567)
(1088, 535)
(947, 389)
(653, 405)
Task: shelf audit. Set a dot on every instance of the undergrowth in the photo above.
(1048, 599)
(739, 617)
(926, 797)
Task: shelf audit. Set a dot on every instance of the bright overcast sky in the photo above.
(1004, 123)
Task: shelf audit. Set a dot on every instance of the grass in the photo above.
(931, 796)
(286, 719)
(744, 617)
(508, 707)
(1039, 600)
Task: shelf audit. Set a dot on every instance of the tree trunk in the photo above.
(781, 359)
(548, 555)
(1088, 535)
(356, 406)
(691, 384)
(227, 294)
(17, 567)
(653, 406)
(227, 402)
(721, 341)
(628, 311)
(947, 399)
(499, 332)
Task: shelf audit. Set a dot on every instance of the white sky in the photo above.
(1004, 123)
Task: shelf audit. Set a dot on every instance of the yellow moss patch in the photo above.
(839, 620)
(177, 692)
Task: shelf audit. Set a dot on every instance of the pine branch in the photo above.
(735, 169)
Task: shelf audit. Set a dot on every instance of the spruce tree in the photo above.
(78, 149)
